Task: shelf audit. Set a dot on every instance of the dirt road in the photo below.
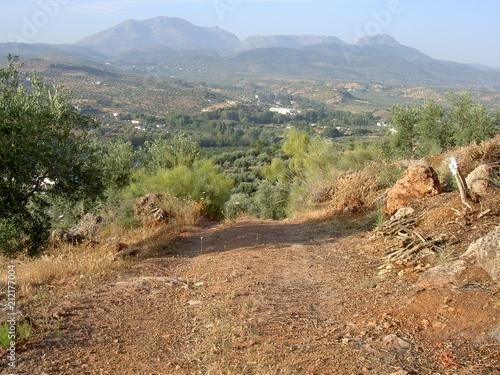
(259, 297)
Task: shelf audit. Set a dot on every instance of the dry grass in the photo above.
(58, 265)
(364, 188)
(185, 211)
(469, 157)
(69, 264)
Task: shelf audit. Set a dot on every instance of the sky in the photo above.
(456, 30)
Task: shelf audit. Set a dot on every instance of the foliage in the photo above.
(380, 220)
(4, 334)
(404, 121)
(270, 201)
(357, 158)
(427, 129)
(469, 122)
(203, 182)
(23, 331)
(117, 161)
(171, 153)
(117, 164)
(306, 155)
(238, 203)
(44, 152)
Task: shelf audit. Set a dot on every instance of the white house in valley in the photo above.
(284, 111)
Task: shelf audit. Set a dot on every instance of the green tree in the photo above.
(170, 153)
(117, 162)
(44, 152)
(404, 121)
(469, 122)
(270, 201)
(431, 131)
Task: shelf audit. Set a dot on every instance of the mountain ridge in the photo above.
(168, 31)
(174, 43)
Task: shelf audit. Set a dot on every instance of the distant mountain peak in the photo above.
(377, 39)
(170, 32)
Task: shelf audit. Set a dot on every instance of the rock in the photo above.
(417, 182)
(401, 372)
(148, 209)
(402, 213)
(60, 236)
(116, 247)
(495, 334)
(88, 227)
(479, 180)
(485, 252)
(127, 254)
(439, 276)
(396, 343)
(57, 235)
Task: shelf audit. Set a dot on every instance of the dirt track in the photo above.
(258, 297)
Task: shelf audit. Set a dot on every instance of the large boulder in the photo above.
(60, 236)
(479, 180)
(149, 209)
(417, 182)
(88, 227)
(485, 252)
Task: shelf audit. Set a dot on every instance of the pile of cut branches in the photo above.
(410, 248)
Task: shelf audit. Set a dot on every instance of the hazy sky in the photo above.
(458, 30)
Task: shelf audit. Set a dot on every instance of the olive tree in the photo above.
(44, 152)
(470, 122)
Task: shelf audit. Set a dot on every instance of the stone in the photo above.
(495, 334)
(396, 343)
(485, 252)
(148, 209)
(127, 254)
(60, 236)
(439, 276)
(117, 247)
(88, 227)
(402, 213)
(401, 372)
(417, 182)
(479, 181)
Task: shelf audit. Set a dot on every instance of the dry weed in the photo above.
(58, 265)
(355, 189)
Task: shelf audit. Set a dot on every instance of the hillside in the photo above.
(263, 297)
(317, 293)
(286, 41)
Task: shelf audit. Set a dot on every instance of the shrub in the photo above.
(23, 331)
(203, 182)
(170, 153)
(237, 204)
(356, 159)
(270, 201)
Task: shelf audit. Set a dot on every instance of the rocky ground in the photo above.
(305, 296)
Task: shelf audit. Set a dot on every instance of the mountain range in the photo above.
(171, 43)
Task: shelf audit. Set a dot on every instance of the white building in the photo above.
(284, 111)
